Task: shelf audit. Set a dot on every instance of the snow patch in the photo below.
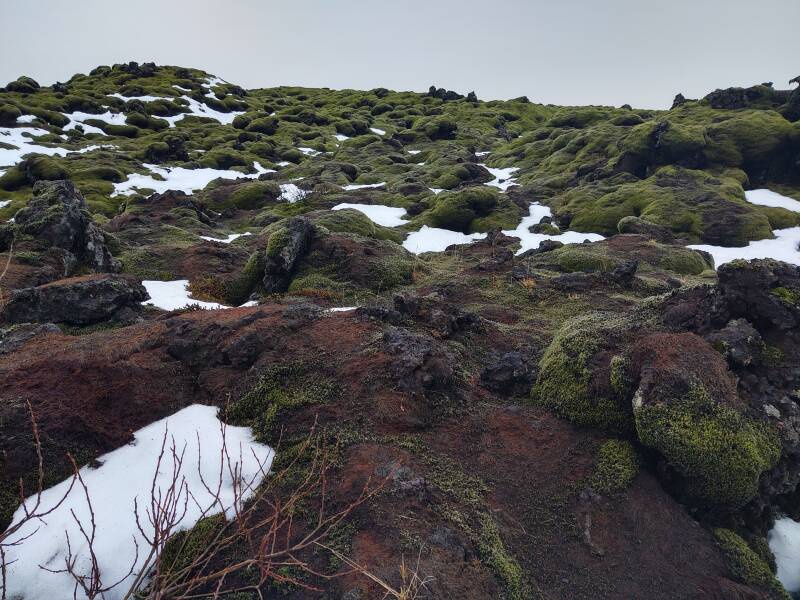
(226, 240)
(26, 119)
(180, 178)
(124, 475)
(291, 193)
(341, 309)
(377, 131)
(309, 151)
(769, 198)
(340, 137)
(4, 203)
(172, 295)
(363, 186)
(142, 98)
(433, 239)
(502, 177)
(387, 216)
(21, 138)
(414, 152)
(784, 541)
(530, 240)
(784, 247)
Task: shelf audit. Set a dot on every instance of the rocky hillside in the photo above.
(559, 346)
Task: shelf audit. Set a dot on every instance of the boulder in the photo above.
(631, 224)
(79, 301)
(57, 215)
(510, 373)
(739, 342)
(15, 336)
(286, 246)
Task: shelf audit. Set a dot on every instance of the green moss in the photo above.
(9, 114)
(254, 195)
(277, 241)
(183, 548)
(353, 221)
(279, 389)
(571, 385)
(456, 211)
(494, 553)
(719, 452)
(745, 564)
(616, 466)
(786, 295)
(239, 288)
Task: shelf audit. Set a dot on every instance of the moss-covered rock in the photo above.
(746, 565)
(616, 467)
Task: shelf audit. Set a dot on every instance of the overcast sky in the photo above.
(640, 52)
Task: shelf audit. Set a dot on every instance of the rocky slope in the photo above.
(570, 402)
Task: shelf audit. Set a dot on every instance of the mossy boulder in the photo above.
(686, 407)
(747, 565)
(9, 114)
(473, 209)
(580, 376)
(253, 195)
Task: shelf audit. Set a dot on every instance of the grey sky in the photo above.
(561, 51)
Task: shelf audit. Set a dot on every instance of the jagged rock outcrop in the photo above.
(77, 301)
(57, 216)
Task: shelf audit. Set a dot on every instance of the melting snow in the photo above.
(80, 117)
(783, 247)
(414, 151)
(362, 186)
(770, 198)
(26, 119)
(784, 541)
(291, 193)
(378, 131)
(226, 240)
(340, 137)
(142, 98)
(179, 178)
(4, 203)
(502, 177)
(172, 295)
(20, 137)
(530, 240)
(309, 151)
(432, 239)
(387, 216)
(124, 475)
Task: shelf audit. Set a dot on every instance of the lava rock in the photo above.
(57, 215)
(16, 336)
(77, 301)
(284, 253)
(739, 342)
(510, 373)
(631, 224)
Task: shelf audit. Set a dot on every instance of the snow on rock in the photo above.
(124, 475)
(502, 177)
(142, 98)
(26, 119)
(21, 138)
(530, 240)
(783, 247)
(180, 178)
(377, 131)
(363, 186)
(341, 309)
(226, 240)
(172, 295)
(341, 137)
(291, 193)
(483, 153)
(784, 541)
(436, 191)
(388, 216)
(433, 239)
(770, 198)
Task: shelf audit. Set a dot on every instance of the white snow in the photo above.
(378, 131)
(172, 295)
(226, 240)
(80, 117)
(283, 163)
(4, 203)
(363, 186)
(484, 153)
(388, 216)
(291, 193)
(340, 137)
(21, 138)
(783, 247)
(26, 118)
(308, 151)
(784, 541)
(183, 89)
(770, 198)
(199, 109)
(530, 240)
(124, 475)
(414, 151)
(436, 191)
(433, 239)
(142, 98)
(341, 309)
(180, 178)
(502, 177)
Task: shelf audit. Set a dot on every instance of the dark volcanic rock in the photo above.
(419, 362)
(57, 215)
(77, 301)
(510, 373)
(15, 336)
(284, 253)
(739, 342)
